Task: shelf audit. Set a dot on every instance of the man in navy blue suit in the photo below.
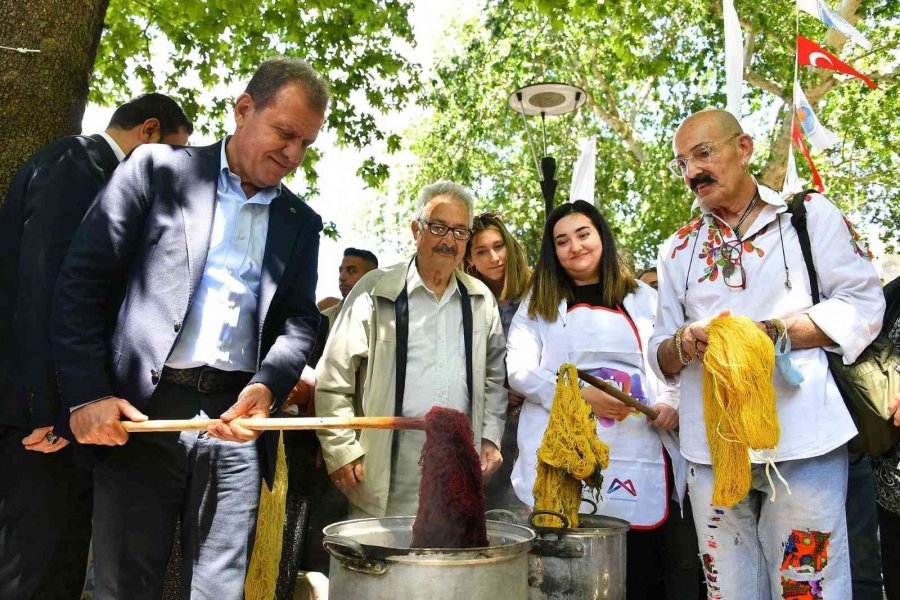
(45, 502)
(218, 316)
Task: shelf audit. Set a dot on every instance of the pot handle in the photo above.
(352, 555)
(500, 514)
(592, 503)
(545, 529)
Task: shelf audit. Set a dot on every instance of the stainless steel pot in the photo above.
(583, 563)
(371, 560)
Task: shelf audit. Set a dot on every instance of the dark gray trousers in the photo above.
(141, 489)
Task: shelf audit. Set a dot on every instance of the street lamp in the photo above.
(545, 99)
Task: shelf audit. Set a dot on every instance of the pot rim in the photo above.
(435, 555)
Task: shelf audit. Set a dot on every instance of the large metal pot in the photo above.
(371, 560)
(583, 563)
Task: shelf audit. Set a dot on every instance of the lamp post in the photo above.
(545, 99)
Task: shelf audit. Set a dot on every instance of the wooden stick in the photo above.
(279, 424)
(618, 394)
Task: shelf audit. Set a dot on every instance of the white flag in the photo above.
(582, 187)
(833, 19)
(819, 137)
(734, 59)
(792, 183)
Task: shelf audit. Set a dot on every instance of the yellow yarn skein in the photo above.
(738, 403)
(262, 573)
(570, 453)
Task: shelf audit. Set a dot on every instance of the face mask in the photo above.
(783, 361)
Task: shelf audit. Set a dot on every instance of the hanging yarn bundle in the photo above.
(262, 573)
(451, 493)
(570, 455)
(738, 403)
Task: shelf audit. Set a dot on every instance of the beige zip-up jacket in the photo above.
(355, 377)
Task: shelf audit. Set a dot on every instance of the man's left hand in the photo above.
(667, 419)
(37, 441)
(253, 402)
(490, 459)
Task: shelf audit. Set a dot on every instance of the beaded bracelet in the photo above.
(681, 357)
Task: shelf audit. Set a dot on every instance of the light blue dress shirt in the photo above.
(221, 328)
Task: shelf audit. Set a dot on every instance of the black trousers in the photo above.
(889, 523)
(665, 562)
(45, 521)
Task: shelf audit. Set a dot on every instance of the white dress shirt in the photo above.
(436, 355)
(812, 416)
(221, 328)
(112, 144)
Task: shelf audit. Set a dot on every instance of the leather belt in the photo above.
(207, 379)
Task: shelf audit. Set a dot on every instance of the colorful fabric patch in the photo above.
(712, 577)
(791, 589)
(806, 552)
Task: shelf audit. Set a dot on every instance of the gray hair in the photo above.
(275, 73)
(459, 193)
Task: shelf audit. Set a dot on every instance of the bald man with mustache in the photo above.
(741, 256)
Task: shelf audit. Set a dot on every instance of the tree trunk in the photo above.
(43, 94)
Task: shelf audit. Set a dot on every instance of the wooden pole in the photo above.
(618, 394)
(279, 424)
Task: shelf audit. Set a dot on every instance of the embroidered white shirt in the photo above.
(812, 416)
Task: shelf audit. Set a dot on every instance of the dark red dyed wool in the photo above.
(451, 494)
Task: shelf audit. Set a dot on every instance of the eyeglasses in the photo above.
(733, 273)
(701, 154)
(440, 230)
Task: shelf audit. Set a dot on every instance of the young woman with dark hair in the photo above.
(585, 307)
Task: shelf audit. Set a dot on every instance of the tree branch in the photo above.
(757, 80)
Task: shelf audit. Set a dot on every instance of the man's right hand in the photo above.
(100, 422)
(348, 477)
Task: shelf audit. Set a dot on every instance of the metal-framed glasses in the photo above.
(701, 154)
(440, 230)
(733, 273)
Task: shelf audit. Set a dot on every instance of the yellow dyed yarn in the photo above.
(570, 453)
(262, 574)
(738, 403)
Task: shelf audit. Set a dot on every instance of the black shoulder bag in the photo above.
(873, 380)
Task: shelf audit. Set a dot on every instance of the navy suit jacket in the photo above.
(46, 200)
(151, 228)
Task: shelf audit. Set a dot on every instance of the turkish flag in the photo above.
(810, 53)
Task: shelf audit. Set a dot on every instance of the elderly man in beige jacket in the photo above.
(432, 329)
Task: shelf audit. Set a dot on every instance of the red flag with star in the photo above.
(810, 53)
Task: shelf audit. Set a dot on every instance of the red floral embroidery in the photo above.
(716, 258)
(856, 243)
(686, 232)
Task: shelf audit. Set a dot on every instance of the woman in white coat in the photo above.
(585, 307)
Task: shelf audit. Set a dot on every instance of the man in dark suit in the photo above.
(45, 503)
(218, 316)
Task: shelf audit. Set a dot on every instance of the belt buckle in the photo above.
(203, 371)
